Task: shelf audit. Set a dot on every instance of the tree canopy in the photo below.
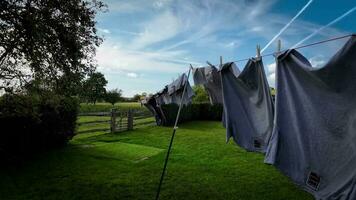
(94, 87)
(113, 96)
(49, 40)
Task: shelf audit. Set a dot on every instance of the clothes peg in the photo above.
(258, 49)
(221, 61)
(191, 67)
(279, 47)
(211, 65)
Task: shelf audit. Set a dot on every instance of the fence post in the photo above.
(130, 120)
(113, 121)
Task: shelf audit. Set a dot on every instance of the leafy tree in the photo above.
(113, 96)
(201, 96)
(136, 97)
(94, 87)
(52, 41)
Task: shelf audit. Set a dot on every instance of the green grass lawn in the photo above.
(128, 166)
(106, 107)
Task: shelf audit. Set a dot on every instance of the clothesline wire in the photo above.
(324, 41)
(299, 47)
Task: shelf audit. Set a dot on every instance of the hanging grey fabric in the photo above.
(162, 97)
(248, 106)
(209, 77)
(152, 105)
(314, 138)
(159, 97)
(175, 91)
(172, 93)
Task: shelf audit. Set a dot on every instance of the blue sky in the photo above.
(148, 43)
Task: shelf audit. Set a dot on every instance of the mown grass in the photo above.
(106, 107)
(128, 166)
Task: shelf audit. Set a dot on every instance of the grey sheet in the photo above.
(314, 139)
(172, 93)
(152, 105)
(175, 91)
(209, 77)
(248, 106)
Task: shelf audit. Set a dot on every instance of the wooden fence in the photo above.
(114, 121)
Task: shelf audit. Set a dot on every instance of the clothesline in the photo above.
(299, 47)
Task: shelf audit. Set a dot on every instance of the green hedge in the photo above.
(201, 111)
(35, 123)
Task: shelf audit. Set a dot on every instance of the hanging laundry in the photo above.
(152, 105)
(175, 91)
(209, 77)
(248, 106)
(314, 138)
(172, 93)
(159, 96)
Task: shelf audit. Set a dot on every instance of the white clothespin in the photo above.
(279, 46)
(211, 65)
(258, 50)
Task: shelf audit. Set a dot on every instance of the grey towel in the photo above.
(314, 138)
(248, 105)
(172, 93)
(175, 91)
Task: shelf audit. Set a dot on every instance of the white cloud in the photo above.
(162, 27)
(113, 57)
(107, 31)
(159, 4)
(233, 44)
(129, 32)
(271, 68)
(272, 79)
(271, 74)
(257, 29)
(124, 6)
(317, 61)
(132, 75)
(136, 6)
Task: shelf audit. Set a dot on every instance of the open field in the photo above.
(128, 166)
(106, 107)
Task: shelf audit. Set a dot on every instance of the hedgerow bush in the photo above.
(196, 111)
(33, 123)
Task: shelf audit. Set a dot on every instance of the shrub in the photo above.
(201, 96)
(198, 111)
(32, 123)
